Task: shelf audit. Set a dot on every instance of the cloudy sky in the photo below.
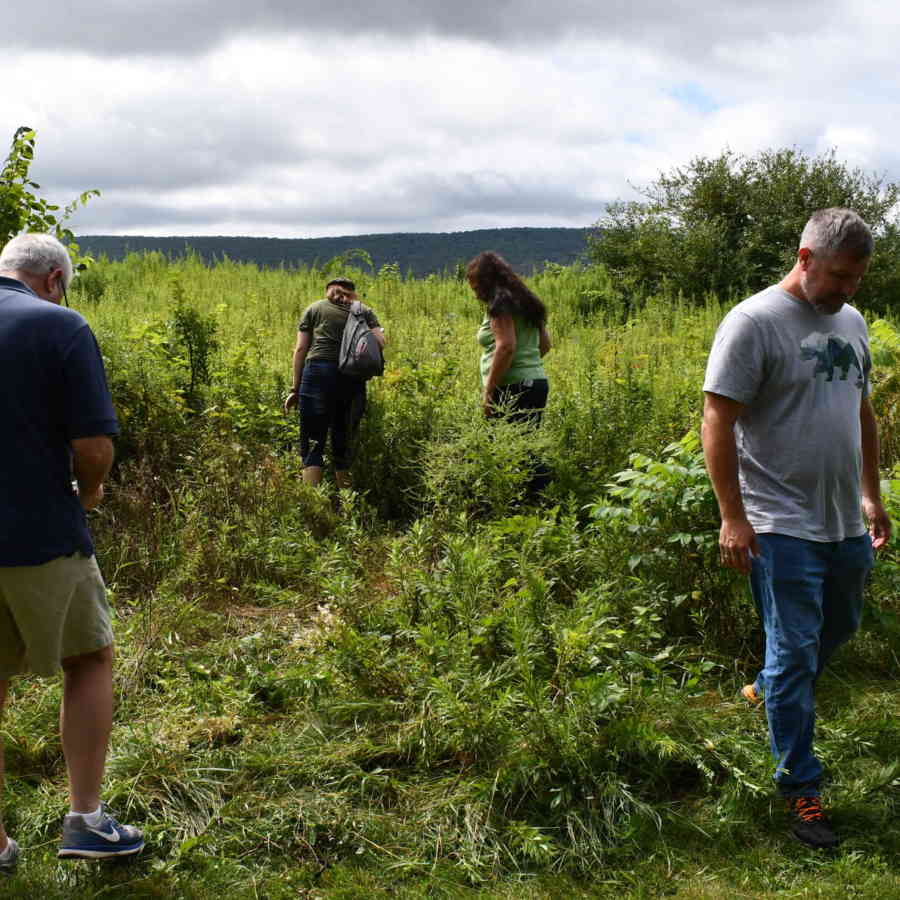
(291, 118)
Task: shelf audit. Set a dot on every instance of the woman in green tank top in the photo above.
(514, 339)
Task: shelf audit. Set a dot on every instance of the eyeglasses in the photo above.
(61, 283)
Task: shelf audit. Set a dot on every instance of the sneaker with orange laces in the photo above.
(809, 824)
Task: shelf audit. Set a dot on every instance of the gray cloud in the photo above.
(190, 141)
(175, 27)
(436, 196)
(304, 137)
(411, 203)
(164, 159)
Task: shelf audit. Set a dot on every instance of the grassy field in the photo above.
(429, 687)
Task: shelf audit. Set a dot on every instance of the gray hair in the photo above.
(36, 254)
(837, 230)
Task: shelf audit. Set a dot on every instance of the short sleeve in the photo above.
(85, 401)
(308, 320)
(736, 365)
(866, 364)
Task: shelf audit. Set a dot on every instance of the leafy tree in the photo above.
(22, 210)
(731, 224)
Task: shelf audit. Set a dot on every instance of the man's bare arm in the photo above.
(878, 519)
(92, 458)
(737, 539)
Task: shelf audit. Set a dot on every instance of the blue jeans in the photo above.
(809, 596)
(330, 403)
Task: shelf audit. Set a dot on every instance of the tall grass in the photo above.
(431, 686)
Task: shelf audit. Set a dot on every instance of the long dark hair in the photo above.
(502, 291)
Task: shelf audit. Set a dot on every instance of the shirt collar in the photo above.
(13, 284)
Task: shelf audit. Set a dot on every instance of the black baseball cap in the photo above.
(343, 282)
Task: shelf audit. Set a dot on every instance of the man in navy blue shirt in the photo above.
(56, 419)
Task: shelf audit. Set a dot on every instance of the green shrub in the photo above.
(501, 657)
(406, 408)
(659, 520)
(480, 467)
(90, 286)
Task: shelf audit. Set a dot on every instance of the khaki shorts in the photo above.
(51, 612)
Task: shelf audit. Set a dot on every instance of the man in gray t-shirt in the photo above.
(792, 451)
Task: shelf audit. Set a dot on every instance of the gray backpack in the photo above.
(360, 354)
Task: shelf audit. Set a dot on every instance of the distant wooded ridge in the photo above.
(526, 249)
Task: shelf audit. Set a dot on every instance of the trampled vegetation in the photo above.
(436, 689)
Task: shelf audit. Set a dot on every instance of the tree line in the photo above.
(420, 254)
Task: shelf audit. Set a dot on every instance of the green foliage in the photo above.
(406, 407)
(389, 272)
(731, 224)
(90, 286)
(22, 210)
(662, 514)
(353, 258)
(884, 343)
(193, 344)
(492, 665)
(428, 686)
(479, 467)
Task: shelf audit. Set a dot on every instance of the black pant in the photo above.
(524, 402)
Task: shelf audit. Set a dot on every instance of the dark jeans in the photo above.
(524, 402)
(330, 403)
(810, 596)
